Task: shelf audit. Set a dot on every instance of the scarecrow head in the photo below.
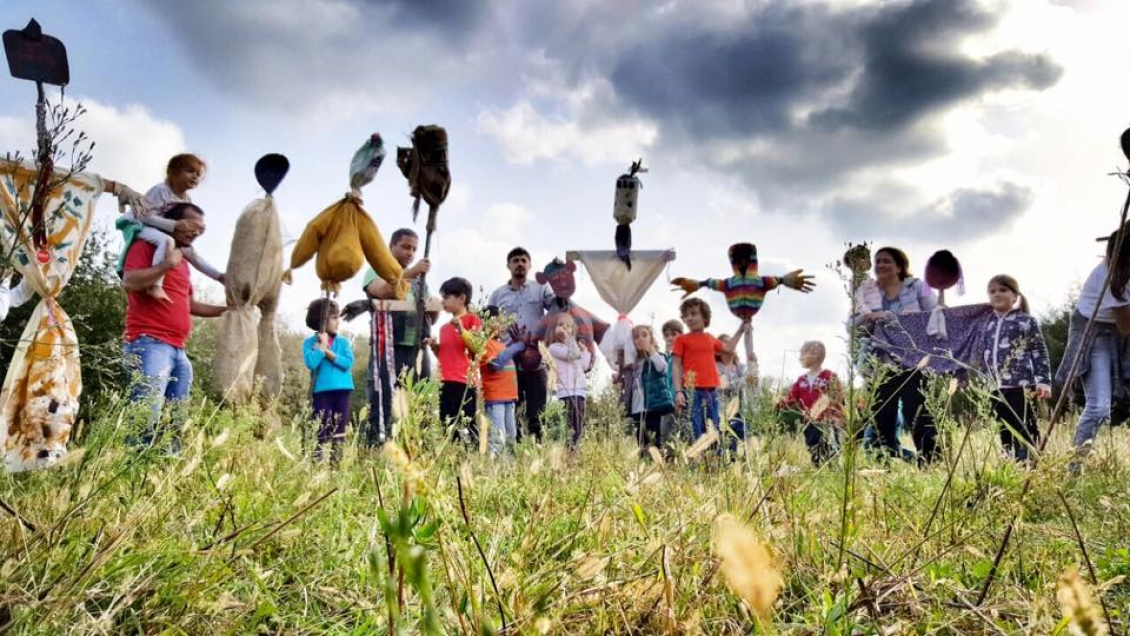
(943, 270)
(559, 276)
(743, 258)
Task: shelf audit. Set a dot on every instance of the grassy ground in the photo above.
(243, 535)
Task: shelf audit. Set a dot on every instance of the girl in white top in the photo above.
(572, 360)
(183, 173)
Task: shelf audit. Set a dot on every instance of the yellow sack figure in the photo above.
(344, 236)
(40, 395)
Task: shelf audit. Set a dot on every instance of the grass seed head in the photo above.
(747, 565)
(1078, 607)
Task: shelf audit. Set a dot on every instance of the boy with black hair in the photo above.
(693, 362)
(454, 350)
(527, 301)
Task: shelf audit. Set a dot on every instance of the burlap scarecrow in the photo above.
(745, 290)
(343, 236)
(248, 353)
(40, 395)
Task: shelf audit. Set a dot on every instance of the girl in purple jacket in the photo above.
(1016, 358)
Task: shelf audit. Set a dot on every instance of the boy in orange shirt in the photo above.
(693, 362)
(500, 382)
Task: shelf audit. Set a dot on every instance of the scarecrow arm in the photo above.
(799, 281)
(687, 285)
(126, 196)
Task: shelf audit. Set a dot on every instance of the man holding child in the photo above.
(527, 301)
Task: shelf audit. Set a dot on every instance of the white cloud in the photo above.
(131, 145)
(526, 134)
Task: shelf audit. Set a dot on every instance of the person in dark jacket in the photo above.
(1016, 358)
(647, 392)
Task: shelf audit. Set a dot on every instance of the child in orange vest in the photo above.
(500, 382)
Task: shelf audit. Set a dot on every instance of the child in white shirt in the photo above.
(183, 173)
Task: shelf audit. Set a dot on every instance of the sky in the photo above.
(986, 127)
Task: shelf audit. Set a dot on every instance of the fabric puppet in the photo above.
(559, 276)
(344, 236)
(42, 384)
(425, 166)
(248, 347)
(745, 290)
(943, 271)
(624, 210)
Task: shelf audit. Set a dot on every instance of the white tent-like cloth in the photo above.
(622, 288)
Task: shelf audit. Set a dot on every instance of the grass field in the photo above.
(243, 535)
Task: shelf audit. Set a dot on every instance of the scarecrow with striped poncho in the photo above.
(745, 290)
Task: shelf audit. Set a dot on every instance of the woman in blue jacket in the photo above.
(329, 357)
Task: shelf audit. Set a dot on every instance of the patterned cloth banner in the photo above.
(40, 395)
(904, 341)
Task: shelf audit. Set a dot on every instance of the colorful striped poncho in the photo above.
(745, 290)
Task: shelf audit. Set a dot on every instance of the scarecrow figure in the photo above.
(943, 271)
(745, 290)
(559, 276)
(45, 219)
(344, 236)
(248, 349)
(624, 210)
(424, 164)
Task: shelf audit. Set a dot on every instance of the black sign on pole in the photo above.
(37, 57)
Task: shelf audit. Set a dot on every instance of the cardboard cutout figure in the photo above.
(559, 277)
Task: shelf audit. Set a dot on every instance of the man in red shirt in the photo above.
(157, 330)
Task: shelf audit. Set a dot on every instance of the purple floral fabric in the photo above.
(903, 341)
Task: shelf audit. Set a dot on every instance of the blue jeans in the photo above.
(165, 376)
(704, 406)
(1097, 388)
(503, 425)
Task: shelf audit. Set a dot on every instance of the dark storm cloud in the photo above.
(881, 69)
(741, 83)
(966, 214)
(912, 67)
(451, 18)
(297, 57)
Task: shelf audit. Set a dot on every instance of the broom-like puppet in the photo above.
(424, 164)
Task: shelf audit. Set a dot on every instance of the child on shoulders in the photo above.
(182, 174)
